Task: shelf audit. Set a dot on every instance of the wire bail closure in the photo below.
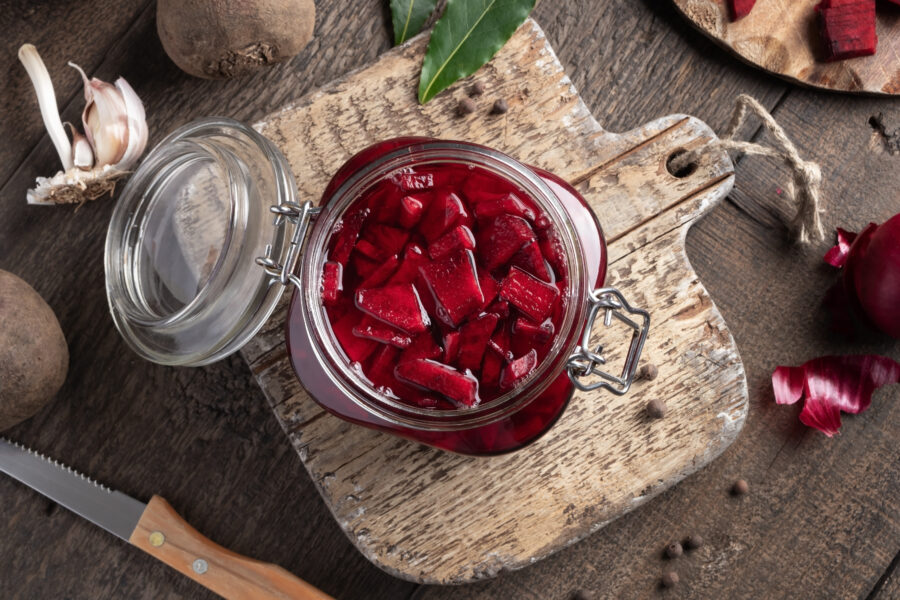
(300, 216)
(585, 362)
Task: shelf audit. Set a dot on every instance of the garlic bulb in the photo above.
(116, 128)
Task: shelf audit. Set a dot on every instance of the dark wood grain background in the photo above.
(823, 516)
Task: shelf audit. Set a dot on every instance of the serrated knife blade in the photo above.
(114, 511)
(156, 529)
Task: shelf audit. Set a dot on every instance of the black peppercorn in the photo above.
(477, 88)
(656, 409)
(465, 107)
(500, 107)
(674, 550)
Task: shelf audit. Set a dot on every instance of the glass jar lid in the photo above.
(181, 274)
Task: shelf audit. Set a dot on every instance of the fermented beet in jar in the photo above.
(449, 286)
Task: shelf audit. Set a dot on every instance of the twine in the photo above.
(804, 189)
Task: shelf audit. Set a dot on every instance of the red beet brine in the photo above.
(445, 285)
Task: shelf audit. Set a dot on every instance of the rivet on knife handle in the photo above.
(162, 533)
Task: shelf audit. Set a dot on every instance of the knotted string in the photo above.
(804, 190)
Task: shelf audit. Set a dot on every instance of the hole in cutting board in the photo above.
(684, 171)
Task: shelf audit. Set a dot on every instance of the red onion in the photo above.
(832, 384)
(871, 272)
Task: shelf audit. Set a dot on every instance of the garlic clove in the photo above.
(82, 155)
(46, 97)
(105, 119)
(137, 126)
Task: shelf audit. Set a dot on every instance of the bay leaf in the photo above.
(408, 17)
(467, 35)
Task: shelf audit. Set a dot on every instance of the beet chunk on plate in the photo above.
(533, 297)
(847, 28)
(738, 9)
(453, 282)
(396, 305)
(462, 388)
(501, 238)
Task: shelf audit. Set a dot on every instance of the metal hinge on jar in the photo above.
(584, 362)
(300, 216)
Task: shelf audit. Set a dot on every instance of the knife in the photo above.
(156, 529)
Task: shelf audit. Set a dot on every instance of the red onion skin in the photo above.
(872, 274)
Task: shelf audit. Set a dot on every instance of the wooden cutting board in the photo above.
(434, 517)
(782, 36)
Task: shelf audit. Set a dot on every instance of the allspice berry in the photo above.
(648, 372)
(692, 542)
(674, 550)
(500, 107)
(477, 88)
(582, 595)
(656, 409)
(465, 107)
(740, 487)
(669, 579)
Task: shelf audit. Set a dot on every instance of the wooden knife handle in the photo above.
(162, 533)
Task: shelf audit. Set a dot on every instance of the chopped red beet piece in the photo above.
(437, 377)
(411, 209)
(453, 282)
(501, 238)
(847, 28)
(370, 250)
(499, 308)
(381, 368)
(530, 295)
(473, 340)
(489, 287)
(738, 9)
(346, 235)
(510, 204)
(541, 333)
(423, 346)
(491, 367)
(530, 259)
(458, 238)
(380, 332)
(518, 369)
(384, 202)
(388, 240)
(500, 344)
(332, 282)
(451, 347)
(364, 265)
(413, 258)
(382, 273)
(413, 182)
(396, 305)
(356, 348)
(554, 252)
(480, 187)
(832, 384)
(445, 210)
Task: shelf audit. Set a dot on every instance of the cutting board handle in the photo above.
(162, 533)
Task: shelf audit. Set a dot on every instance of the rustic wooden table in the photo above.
(823, 515)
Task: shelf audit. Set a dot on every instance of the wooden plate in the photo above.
(781, 36)
(430, 516)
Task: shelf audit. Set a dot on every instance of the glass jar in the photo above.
(196, 263)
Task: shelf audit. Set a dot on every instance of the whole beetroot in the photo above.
(34, 358)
